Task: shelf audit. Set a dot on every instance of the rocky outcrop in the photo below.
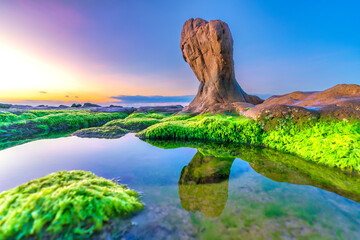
(75, 105)
(4, 105)
(208, 48)
(90, 105)
(341, 95)
(340, 102)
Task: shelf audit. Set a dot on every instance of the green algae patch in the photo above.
(327, 142)
(119, 127)
(141, 121)
(101, 132)
(208, 127)
(64, 205)
(135, 124)
(42, 122)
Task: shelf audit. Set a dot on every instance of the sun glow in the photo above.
(22, 70)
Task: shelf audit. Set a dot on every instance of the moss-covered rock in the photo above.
(64, 205)
(134, 124)
(332, 143)
(101, 132)
(28, 124)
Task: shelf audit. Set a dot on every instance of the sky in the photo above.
(120, 51)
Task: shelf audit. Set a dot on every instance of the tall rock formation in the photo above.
(208, 48)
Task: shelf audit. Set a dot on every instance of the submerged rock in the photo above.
(208, 48)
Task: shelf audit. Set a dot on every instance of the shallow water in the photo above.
(204, 190)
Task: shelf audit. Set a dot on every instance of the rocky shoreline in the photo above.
(92, 107)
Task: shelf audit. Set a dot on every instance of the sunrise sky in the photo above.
(66, 51)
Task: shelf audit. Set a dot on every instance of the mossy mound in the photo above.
(134, 124)
(210, 127)
(28, 124)
(141, 121)
(332, 143)
(64, 205)
(101, 132)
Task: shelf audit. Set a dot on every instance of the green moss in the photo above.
(217, 127)
(273, 210)
(133, 123)
(331, 143)
(148, 115)
(47, 120)
(64, 205)
(101, 132)
(140, 121)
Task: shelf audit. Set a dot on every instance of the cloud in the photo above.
(127, 99)
(44, 92)
(67, 96)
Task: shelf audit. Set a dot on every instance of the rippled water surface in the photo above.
(204, 190)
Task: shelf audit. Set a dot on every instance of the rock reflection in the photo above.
(278, 166)
(204, 184)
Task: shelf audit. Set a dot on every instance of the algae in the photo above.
(64, 205)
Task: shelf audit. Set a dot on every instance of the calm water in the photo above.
(204, 190)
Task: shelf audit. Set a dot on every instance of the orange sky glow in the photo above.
(28, 75)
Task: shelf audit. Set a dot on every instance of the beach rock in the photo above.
(208, 48)
(242, 106)
(88, 105)
(338, 94)
(3, 105)
(277, 111)
(75, 105)
(339, 102)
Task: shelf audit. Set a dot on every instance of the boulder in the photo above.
(87, 105)
(339, 102)
(75, 105)
(4, 105)
(280, 111)
(208, 48)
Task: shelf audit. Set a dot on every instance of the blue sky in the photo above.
(279, 46)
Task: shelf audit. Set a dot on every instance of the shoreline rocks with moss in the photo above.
(34, 123)
(332, 143)
(133, 123)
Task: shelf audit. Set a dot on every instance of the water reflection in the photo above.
(272, 164)
(204, 184)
